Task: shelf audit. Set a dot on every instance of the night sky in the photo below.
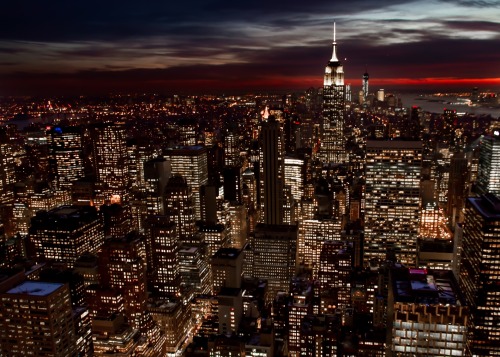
(84, 47)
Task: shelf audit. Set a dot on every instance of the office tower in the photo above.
(215, 235)
(37, 152)
(295, 176)
(109, 154)
(335, 268)
(381, 95)
(313, 234)
(65, 233)
(122, 266)
(179, 208)
(299, 306)
(427, 314)
(187, 131)
(392, 199)
(37, 319)
(249, 188)
(209, 203)
(194, 269)
(274, 250)
(65, 155)
(480, 272)
(238, 217)
(457, 189)
(162, 256)
(272, 172)
(488, 175)
(333, 142)
(319, 335)
(365, 88)
(232, 150)
(292, 134)
(174, 320)
(156, 175)
(117, 219)
(191, 163)
(232, 183)
(227, 268)
(139, 151)
(230, 305)
(435, 254)
(87, 266)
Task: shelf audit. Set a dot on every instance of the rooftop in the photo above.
(227, 253)
(424, 286)
(35, 288)
(393, 144)
(487, 205)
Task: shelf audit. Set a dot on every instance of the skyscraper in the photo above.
(427, 314)
(365, 88)
(488, 175)
(37, 320)
(110, 159)
(65, 155)
(162, 254)
(333, 144)
(274, 249)
(480, 272)
(272, 172)
(191, 163)
(392, 199)
(65, 233)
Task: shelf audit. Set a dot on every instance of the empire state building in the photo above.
(333, 144)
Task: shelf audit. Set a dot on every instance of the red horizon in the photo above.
(68, 85)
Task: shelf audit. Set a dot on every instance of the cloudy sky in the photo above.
(194, 46)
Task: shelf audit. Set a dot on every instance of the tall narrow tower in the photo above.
(272, 175)
(365, 87)
(333, 145)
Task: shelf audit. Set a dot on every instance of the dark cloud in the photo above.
(110, 45)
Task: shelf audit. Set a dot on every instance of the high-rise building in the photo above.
(227, 268)
(65, 233)
(191, 163)
(392, 199)
(195, 269)
(65, 155)
(488, 175)
(480, 272)
(163, 256)
(37, 320)
(333, 142)
(179, 208)
(231, 150)
(110, 161)
(365, 88)
(313, 233)
(427, 314)
(272, 172)
(334, 275)
(156, 174)
(274, 251)
(123, 268)
(457, 188)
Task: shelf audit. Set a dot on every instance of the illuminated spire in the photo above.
(334, 54)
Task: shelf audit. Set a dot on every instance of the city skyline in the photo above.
(221, 46)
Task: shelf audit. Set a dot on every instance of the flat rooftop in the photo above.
(393, 144)
(35, 288)
(227, 253)
(424, 286)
